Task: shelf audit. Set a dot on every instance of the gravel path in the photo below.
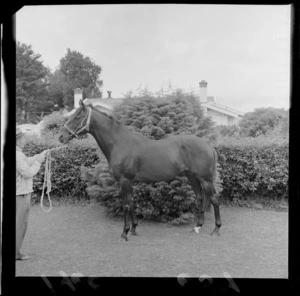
(82, 240)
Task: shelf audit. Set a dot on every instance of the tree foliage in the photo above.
(56, 89)
(38, 90)
(158, 116)
(75, 71)
(31, 84)
(228, 131)
(262, 121)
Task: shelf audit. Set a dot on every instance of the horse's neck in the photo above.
(103, 130)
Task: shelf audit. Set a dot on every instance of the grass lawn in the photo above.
(82, 239)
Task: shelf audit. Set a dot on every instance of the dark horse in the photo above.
(133, 157)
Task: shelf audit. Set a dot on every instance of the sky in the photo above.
(242, 51)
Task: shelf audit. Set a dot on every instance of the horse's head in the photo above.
(77, 125)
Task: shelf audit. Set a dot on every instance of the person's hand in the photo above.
(42, 155)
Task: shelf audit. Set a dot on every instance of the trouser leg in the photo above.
(22, 215)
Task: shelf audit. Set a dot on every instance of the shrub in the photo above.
(228, 131)
(158, 116)
(261, 121)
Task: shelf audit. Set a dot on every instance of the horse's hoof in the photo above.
(216, 232)
(124, 236)
(196, 229)
(133, 231)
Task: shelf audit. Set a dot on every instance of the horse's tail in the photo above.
(215, 169)
(216, 176)
(211, 188)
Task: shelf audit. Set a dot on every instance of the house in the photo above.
(220, 114)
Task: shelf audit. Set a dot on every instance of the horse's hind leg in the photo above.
(134, 222)
(209, 194)
(127, 192)
(215, 202)
(196, 186)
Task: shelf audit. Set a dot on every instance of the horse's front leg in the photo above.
(127, 191)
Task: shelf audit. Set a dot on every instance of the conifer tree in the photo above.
(176, 112)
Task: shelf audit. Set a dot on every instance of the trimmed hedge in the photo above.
(247, 171)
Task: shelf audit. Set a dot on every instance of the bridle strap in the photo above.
(87, 124)
(69, 130)
(81, 127)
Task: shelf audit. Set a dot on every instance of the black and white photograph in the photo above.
(152, 140)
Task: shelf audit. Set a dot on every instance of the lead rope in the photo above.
(47, 180)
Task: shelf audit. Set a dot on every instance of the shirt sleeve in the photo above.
(27, 171)
(32, 159)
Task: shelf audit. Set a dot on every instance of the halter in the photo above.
(81, 127)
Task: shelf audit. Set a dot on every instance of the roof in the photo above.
(223, 109)
(106, 103)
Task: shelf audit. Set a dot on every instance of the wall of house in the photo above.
(233, 120)
(217, 117)
(221, 118)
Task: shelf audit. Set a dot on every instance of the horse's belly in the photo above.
(152, 177)
(156, 171)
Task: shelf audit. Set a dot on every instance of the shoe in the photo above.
(23, 257)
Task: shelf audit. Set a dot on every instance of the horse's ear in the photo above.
(81, 103)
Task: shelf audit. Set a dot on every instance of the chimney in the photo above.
(77, 97)
(203, 91)
(109, 94)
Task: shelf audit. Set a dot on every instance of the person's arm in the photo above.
(32, 159)
(27, 171)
